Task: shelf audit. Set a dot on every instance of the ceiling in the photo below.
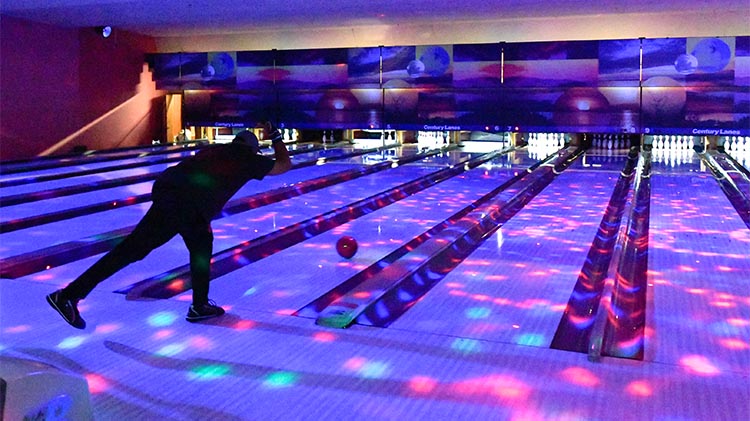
(179, 18)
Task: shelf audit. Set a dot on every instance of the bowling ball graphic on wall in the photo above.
(663, 97)
(434, 61)
(223, 65)
(709, 55)
(712, 54)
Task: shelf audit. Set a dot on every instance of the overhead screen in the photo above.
(671, 85)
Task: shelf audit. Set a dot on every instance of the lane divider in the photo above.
(576, 325)
(624, 331)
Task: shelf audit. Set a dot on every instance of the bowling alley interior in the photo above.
(495, 210)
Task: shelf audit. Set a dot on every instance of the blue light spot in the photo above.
(466, 346)
(71, 342)
(170, 350)
(478, 312)
(163, 318)
(530, 339)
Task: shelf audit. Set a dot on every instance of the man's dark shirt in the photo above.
(207, 180)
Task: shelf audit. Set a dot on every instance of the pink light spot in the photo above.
(201, 342)
(107, 328)
(422, 384)
(355, 363)
(17, 329)
(244, 325)
(724, 269)
(581, 377)
(738, 322)
(97, 383)
(732, 343)
(286, 311)
(324, 337)
(163, 334)
(698, 364)
(454, 285)
(697, 291)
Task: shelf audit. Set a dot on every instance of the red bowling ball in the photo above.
(346, 246)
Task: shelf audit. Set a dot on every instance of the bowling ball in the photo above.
(346, 246)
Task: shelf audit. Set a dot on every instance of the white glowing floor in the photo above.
(477, 346)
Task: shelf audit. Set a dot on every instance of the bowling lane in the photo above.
(93, 166)
(235, 229)
(699, 312)
(123, 192)
(130, 172)
(515, 287)
(287, 281)
(14, 243)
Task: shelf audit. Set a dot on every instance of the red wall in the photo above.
(63, 87)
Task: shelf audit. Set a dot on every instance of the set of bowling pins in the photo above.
(672, 142)
(738, 147)
(432, 139)
(672, 157)
(289, 135)
(610, 141)
(541, 145)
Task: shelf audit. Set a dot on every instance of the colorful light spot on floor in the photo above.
(209, 372)
(17, 329)
(163, 318)
(466, 346)
(170, 350)
(698, 364)
(97, 383)
(244, 324)
(280, 379)
(581, 377)
(530, 339)
(162, 334)
(107, 328)
(374, 370)
(738, 344)
(324, 337)
(639, 388)
(71, 342)
(250, 291)
(422, 384)
(478, 313)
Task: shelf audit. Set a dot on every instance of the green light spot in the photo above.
(250, 291)
(478, 313)
(530, 339)
(467, 346)
(209, 372)
(280, 379)
(164, 318)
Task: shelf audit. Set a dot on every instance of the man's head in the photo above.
(248, 138)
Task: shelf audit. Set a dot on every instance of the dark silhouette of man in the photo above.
(185, 198)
